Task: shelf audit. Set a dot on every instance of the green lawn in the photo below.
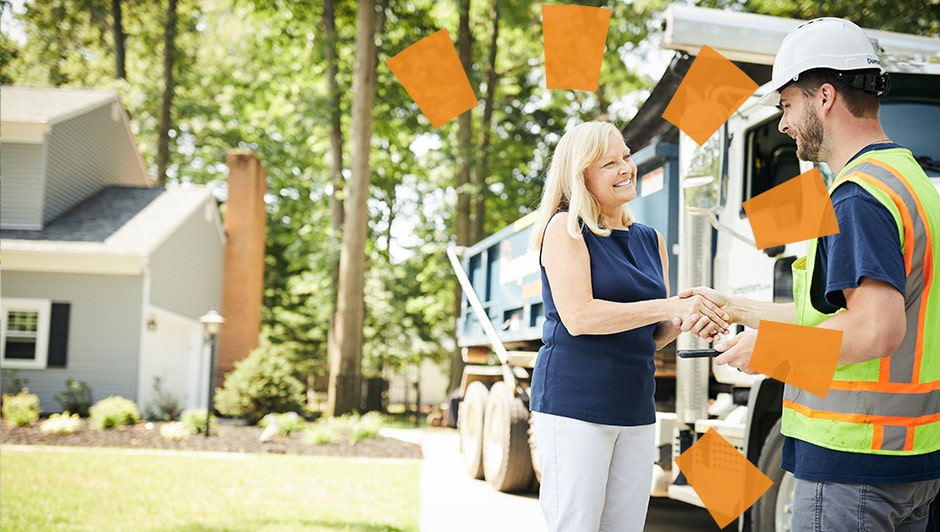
(49, 488)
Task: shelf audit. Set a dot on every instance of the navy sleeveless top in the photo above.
(603, 378)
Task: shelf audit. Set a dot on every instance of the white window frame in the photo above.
(44, 309)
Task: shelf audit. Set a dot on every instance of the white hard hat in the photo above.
(827, 42)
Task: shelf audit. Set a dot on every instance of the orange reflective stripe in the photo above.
(909, 440)
(884, 370)
(902, 209)
(877, 436)
(888, 387)
(928, 284)
(928, 253)
(865, 419)
(908, 251)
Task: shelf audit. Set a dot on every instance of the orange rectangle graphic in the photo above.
(796, 210)
(431, 73)
(801, 356)
(710, 92)
(574, 39)
(723, 478)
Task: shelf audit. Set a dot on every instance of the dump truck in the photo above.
(693, 194)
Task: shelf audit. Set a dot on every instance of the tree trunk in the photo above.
(336, 130)
(464, 165)
(482, 172)
(117, 28)
(336, 151)
(464, 132)
(169, 50)
(345, 348)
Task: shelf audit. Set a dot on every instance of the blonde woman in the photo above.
(605, 290)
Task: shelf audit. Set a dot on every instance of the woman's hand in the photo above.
(701, 324)
(699, 315)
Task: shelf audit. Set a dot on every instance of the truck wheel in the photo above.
(470, 426)
(773, 512)
(507, 462)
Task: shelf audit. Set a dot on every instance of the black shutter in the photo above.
(58, 335)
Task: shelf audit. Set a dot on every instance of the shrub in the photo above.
(165, 406)
(357, 428)
(194, 419)
(63, 423)
(262, 383)
(177, 430)
(21, 409)
(76, 397)
(286, 424)
(10, 380)
(112, 412)
(365, 427)
(320, 435)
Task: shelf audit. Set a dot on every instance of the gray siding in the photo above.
(104, 332)
(21, 192)
(87, 153)
(186, 270)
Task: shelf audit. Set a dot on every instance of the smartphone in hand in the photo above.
(698, 353)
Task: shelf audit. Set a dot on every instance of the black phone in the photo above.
(698, 353)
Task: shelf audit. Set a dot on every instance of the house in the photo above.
(104, 277)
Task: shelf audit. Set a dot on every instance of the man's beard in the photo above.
(811, 137)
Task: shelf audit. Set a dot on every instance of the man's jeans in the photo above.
(827, 506)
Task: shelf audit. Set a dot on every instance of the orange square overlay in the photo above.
(798, 209)
(723, 478)
(432, 74)
(798, 355)
(711, 91)
(574, 45)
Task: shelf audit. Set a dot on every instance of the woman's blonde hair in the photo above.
(564, 186)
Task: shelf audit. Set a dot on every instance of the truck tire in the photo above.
(507, 461)
(470, 427)
(773, 512)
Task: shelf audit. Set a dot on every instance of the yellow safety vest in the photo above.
(889, 405)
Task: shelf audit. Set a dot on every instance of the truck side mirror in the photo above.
(701, 194)
(700, 170)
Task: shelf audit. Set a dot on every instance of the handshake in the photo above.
(702, 311)
(707, 314)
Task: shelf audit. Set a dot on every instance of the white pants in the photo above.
(594, 477)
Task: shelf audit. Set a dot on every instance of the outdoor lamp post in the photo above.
(211, 322)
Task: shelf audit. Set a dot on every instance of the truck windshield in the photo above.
(915, 126)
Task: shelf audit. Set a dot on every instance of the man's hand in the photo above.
(721, 300)
(698, 313)
(737, 350)
(701, 325)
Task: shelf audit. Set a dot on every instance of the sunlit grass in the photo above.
(50, 488)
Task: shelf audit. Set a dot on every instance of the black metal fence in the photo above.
(398, 395)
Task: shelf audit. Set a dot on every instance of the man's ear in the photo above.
(826, 96)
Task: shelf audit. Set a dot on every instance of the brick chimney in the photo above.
(243, 277)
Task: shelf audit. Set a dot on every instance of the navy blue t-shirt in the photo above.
(604, 378)
(867, 245)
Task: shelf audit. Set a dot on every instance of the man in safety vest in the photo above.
(867, 456)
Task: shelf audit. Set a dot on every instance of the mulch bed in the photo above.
(224, 438)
